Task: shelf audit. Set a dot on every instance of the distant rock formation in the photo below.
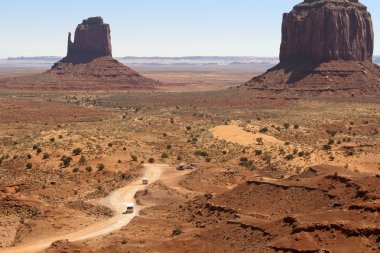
(89, 64)
(92, 40)
(326, 45)
(325, 30)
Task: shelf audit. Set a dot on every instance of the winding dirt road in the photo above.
(117, 201)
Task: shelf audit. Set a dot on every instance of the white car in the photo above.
(130, 209)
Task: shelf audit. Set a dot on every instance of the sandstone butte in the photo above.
(327, 46)
(88, 65)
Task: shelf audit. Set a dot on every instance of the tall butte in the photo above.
(89, 64)
(327, 46)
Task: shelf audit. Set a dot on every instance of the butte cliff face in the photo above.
(326, 45)
(323, 30)
(92, 40)
(89, 64)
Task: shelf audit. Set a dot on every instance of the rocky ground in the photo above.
(257, 187)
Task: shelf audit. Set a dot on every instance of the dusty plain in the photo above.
(272, 173)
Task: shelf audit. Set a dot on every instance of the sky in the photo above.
(153, 27)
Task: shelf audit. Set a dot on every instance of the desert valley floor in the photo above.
(271, 173)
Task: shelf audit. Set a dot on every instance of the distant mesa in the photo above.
(327, 45)
(89, 60)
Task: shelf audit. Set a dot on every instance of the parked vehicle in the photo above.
(130, 209)
(180, 167)
(183, 166)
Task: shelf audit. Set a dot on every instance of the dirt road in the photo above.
(117, 201)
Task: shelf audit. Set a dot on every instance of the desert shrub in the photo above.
(330, 142)
(264, 130)
(169, 146)
(60, 136)
(296, 126)
(331, 132)
(29, 166)
(124, 148)
(35, 147)
(164, 156)
(118, 161)
(201, 153)
(301, 154)
(177, 231)
(179, 158)
(208, 159)
(287, 143)
(286, 125)
(258, 152)
(45, 156)
(82, 160)
(38, 150)
(267, 157)
(164, 134)
(29, 156)
(89, 169)
(134, 158)
(101, 167)
(110, 145)
(331, 158)
(151, 160)
(75, 170)
(247, 164)
(289, 157)
(365, 122)
(66, 160)
(52, 139)
(188, 128)
(77, 151)
(326, 147)
(260, 141)
(243, 159)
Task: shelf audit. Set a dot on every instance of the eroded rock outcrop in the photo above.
(89, 64)
(325, 30)
(327, 45)
(92, 40)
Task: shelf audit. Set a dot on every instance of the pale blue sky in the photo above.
(153, 27)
